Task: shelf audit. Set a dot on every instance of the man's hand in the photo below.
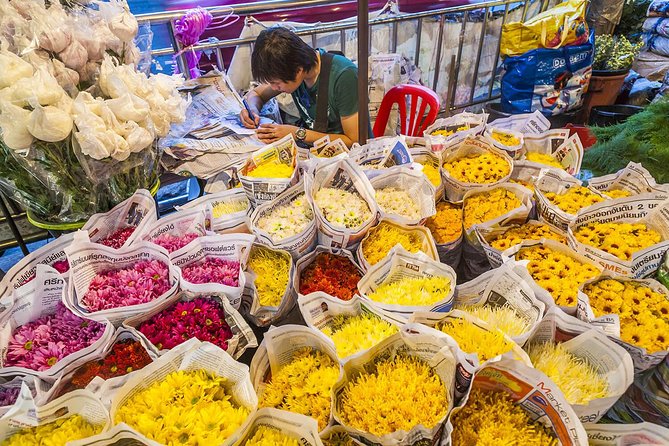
(250, 122)
(268, 133)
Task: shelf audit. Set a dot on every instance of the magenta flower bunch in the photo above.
(117, 238)
(173, 242)
(202, 318)
(212, 270)
(62, 266)
(138, 284)
(8, 395)
(40, 344)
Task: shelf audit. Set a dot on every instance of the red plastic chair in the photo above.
(417, 122)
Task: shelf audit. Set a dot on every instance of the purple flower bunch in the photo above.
(138, 284)
(173, 242)
(202, 318)
(212, 270)
(40, 344)
(8, 395)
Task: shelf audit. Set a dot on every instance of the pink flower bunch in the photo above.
(8, 395)
(40, 344)
(202, 318)
(213, 270)
(62, 266)
(173, 242)
(138, 284)
(118, 237)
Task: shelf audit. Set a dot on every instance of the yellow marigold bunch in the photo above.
(483, 168)
(339, 439)
(56, 433)
(489, 205)
(473, 339)
(513, 236)
(504, 138)
(432, 174)
(398, 395)
(446, 224)
(352, 334)
(542, 158)
(574, 199)
(413, 291)
(272, 269)
(303, 386)
(266, 436)
(271, 170)
(617, 193)
(383, 237)
(504, 319)
(445, 133)
(644, 314)
(526, 184)
(187, 407)
(491, 418)
(557, 273)
(575, 376)
(230, 207)
(619, 239)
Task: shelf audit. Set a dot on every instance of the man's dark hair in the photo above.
(278, 54)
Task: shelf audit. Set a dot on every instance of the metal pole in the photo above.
(363, 61)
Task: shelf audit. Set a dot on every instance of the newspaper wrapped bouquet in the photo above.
(78, 120)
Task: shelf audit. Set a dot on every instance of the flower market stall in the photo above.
(466, 287)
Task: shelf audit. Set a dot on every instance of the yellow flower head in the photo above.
(432, 173)
(484, 168)
(446, 133)
(383, 237)
(619, 239)
(491, 418)
(574, 199)
(473, 339)
(578, 380)
(230, 207)
(489, 205)
(505, 138)
(265, 436)
(513, 236)
(446, 224)
(352, 334)
(378, 402)
(338, 439)
(271, 170)
(413, 291)
(504, 319)
(542, 158)
(272, 269)
(187, 407)
(527, 184)
(303, 386)
(617, 193)
(56, 433)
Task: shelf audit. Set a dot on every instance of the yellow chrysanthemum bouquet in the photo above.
(508, 140)
(446, 132)
(271, 271)
(495, 205)
(273, 427)
(380, 240)
(229, 209)
(431, 165)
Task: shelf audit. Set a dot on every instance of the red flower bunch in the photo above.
(125, 356)
(332, 274)
(118, 237)
(202, 318)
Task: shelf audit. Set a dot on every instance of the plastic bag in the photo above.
(624, 434)
(556, 27)
(658, 8)
(552, 81)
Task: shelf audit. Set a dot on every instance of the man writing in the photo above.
(323, 86)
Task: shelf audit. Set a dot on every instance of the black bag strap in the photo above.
(321, 124)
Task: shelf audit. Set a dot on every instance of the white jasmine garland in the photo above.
(342, 208)
(287, 220)
(396, 201)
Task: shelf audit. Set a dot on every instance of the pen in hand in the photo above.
(248, 110)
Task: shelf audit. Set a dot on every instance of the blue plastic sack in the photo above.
(552, 81)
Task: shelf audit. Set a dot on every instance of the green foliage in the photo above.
(615, 52)
(631, 21)
(643, 138)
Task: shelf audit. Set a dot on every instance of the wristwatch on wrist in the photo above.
(300, 134)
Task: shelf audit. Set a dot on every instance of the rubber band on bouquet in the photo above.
(188, 30)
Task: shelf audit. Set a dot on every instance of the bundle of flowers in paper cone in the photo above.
(617, 193)
(412, 291)
(342, 208)
(352, 334)
(201, 318)
(338, 439)
(446, 132)
(303, 386)
(543, 158)
(40, 344)
(432, 173)
(125, 356)
(557, 272)
(513, 236)
(486, 206)
(393, 200)
(575, 376)
(287, 220)
(117, 238)
(618, 239)
(272, 270)
(524, 183)
(62, 266)
(377, 401)
(8, 395)
(186, 407)
(382, 238)
(265, 436)
(271, 170)
(491, 417)
(482, 168)
(230, 207)
(446, 224)
(474, 339)
(134, 285)
(55, 433)
(574, 199)
(332, 274)
(504, 319)
(174, 242)
(643, 312)
(213, 270)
